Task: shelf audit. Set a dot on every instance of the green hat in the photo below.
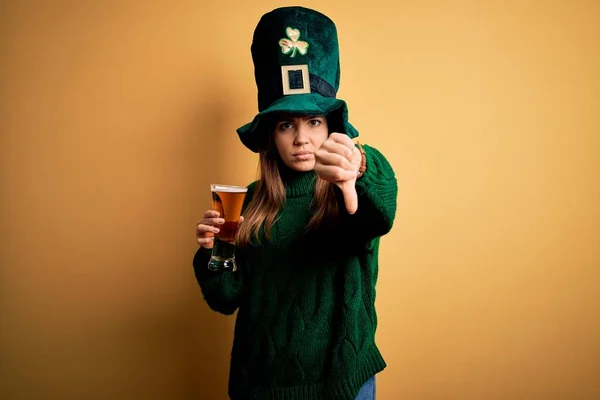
(297, 70)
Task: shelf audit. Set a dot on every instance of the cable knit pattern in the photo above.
(306, 319)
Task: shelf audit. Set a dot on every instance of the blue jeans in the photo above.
(367, 391)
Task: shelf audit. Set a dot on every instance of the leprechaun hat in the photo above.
(297, 71)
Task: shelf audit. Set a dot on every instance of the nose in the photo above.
(302, 135)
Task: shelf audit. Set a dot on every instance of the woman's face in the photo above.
(297, 138)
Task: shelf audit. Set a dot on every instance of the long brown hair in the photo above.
(269, 197)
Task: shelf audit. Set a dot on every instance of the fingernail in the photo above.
(216, 230)
(221, 221)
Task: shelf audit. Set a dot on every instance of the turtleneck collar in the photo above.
(297, 184)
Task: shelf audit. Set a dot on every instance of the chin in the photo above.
(302, 166)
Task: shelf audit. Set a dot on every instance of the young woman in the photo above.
(307, 250)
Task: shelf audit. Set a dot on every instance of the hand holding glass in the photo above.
(228, 201)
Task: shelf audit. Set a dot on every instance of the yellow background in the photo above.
(116, 116)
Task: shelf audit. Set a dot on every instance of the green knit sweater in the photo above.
(306, 320)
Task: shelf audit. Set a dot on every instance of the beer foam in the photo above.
(228, 189)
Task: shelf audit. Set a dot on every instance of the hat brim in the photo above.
(254, 133)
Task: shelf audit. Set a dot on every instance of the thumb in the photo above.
(350, 196)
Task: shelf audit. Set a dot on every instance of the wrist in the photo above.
(363, 162)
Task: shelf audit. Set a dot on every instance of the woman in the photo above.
(307, 250)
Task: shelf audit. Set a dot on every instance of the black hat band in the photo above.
(296, 79)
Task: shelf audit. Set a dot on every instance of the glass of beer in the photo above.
(228, 201)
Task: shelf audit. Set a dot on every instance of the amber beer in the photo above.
(228, 201)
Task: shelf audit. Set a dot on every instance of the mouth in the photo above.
(302, 156)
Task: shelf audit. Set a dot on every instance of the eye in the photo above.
(284, 126)
(315, 122)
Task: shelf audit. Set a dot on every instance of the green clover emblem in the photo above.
(292, 44)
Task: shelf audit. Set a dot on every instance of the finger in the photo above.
(206, 234)
(334, 174)
(212, 221)
(350, 198)
(241, 219)
(342, 138)
(211, 214)
(334, 159)
(204, 230)
(205, 241)
(337, 148)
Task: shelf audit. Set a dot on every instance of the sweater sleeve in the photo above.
(221, 289)
(377, 191)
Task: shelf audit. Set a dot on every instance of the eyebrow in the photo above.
(287, 117)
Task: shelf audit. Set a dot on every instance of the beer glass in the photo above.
(228, 201)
